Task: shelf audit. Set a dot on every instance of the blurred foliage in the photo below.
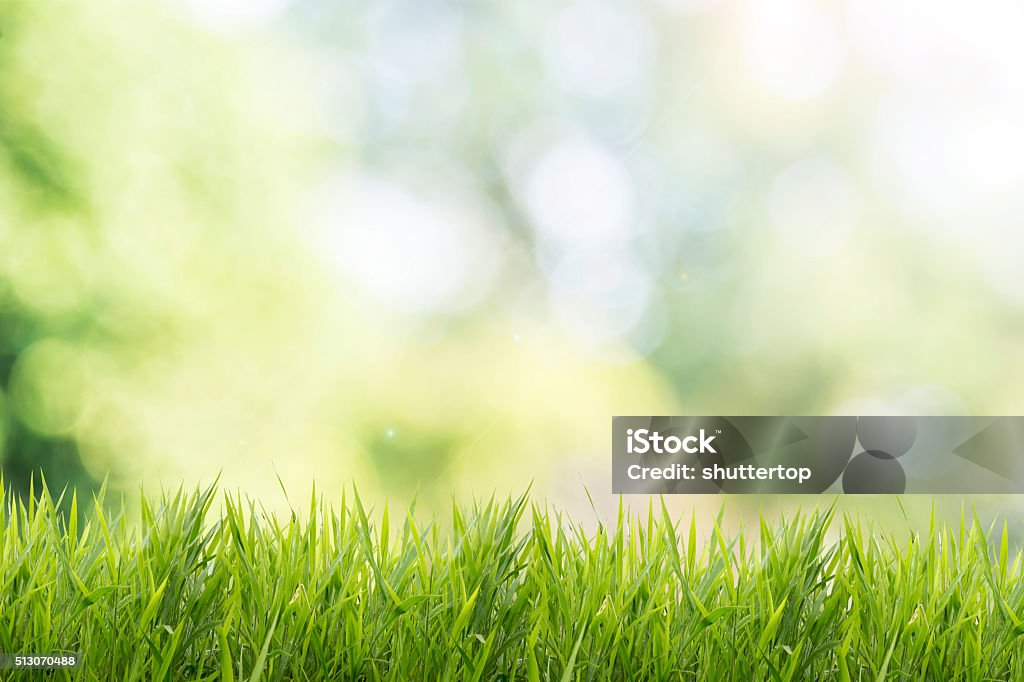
(122, 163)
(164, 316)
(45, 179)
(436, 245)
(30, 453)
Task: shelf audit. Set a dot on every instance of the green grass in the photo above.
(197, 586)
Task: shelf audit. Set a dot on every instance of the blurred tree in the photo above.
(32, 163)
(168, 309)
(140, 166)
(25, 452)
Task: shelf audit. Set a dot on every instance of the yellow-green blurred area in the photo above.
(426, 246)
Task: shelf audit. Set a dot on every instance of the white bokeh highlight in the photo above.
(793, 48)
(234, 16)
(948, 156)
(415, 252)
(599, 48)
(578, 194)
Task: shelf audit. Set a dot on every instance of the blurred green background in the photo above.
(430, 246)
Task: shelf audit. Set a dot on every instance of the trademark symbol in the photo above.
(718, 430)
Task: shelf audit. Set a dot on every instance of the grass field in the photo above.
(199, 586)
